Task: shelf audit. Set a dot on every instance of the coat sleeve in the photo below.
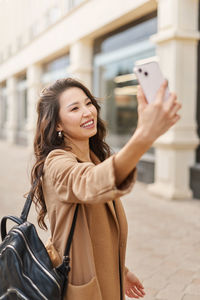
(84, 182)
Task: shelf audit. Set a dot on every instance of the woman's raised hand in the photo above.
(156, 118)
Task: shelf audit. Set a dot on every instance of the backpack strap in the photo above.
(28, 202)
(26, 208)
(3, 224)
(65, 264)
(64, 267)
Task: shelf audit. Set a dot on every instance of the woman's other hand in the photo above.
(156, 118)
(133, 286)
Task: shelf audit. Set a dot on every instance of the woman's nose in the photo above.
(86, 111)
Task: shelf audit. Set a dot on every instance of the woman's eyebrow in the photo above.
(76, 102)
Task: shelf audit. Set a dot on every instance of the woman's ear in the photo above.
(59, 127)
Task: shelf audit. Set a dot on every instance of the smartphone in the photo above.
(150, 78)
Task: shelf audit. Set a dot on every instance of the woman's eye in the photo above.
(75, 108)
(89, 103)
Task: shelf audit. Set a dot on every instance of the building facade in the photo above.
(99, 42)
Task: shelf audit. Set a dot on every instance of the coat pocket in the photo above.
(87, 291)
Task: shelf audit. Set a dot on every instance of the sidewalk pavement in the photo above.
(164, 236)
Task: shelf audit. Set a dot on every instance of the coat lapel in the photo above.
(112, 210)
(117, 211)
(96, 161)
(110, 205)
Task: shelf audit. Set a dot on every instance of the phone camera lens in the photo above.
(146, 73)
(140, 70)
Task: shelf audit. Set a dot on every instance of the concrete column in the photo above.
(34, 73)
(176, 41)
(11, 124)
(81, 62)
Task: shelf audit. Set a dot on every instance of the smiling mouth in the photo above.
(88, 124)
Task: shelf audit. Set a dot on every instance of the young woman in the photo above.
(74, 165)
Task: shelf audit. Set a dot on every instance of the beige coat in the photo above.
(100, 236)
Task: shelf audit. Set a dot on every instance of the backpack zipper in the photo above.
(35, 259)
(31, 282)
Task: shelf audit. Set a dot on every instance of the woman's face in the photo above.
(77, 114)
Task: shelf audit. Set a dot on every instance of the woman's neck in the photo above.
(80, 147)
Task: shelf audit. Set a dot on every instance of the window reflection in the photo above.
(120, 105)
(126, 103)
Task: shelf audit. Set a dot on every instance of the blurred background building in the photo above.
(98, 42)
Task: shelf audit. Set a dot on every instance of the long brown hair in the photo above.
(46, 137)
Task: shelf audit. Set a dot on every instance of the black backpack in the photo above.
(26, 271)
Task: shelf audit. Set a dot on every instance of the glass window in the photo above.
(115, 82)
(55, 69)
(3, 111)
(3, 107)
(74, 3)
(22, 110)
(139, 32)
(25, 105)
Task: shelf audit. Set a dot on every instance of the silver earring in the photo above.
(60, 134)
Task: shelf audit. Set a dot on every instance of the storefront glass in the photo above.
(115, 82)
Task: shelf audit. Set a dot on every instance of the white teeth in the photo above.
(88, 124)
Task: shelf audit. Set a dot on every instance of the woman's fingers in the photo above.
(175, 109)
(140, 286)
(161, 92)
(175, 119)
(131, 294)
(172, 106)
(138, 292)
(135, 292)
(157, 117)
(171, 101)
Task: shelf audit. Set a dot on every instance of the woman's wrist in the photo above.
(141, 137)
